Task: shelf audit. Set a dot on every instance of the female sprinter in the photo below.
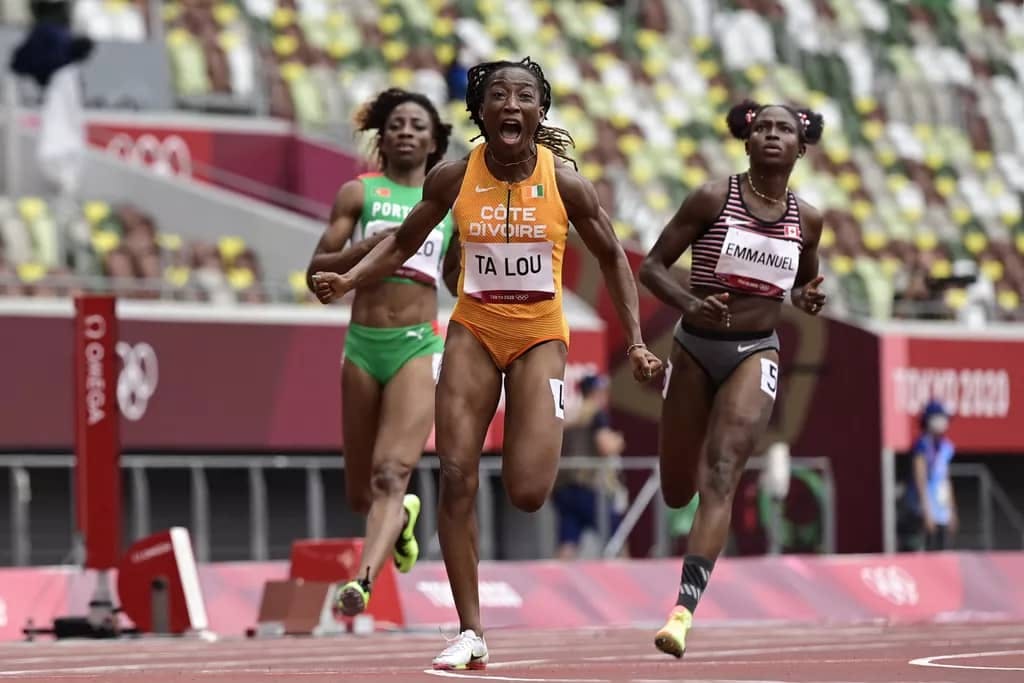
(753, 240)
(512, 204)
(391, 347)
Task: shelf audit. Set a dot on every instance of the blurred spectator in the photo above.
(589, 433)
(50, 45)
(929, 515)
(50, 55)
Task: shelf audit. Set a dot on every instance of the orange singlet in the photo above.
(513, 237)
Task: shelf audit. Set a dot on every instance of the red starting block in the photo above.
(336, 560)
(158, 583)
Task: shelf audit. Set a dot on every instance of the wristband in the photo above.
(641, 345)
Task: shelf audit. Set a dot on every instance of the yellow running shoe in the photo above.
(671, 639)
(407, 549)
(352, 598)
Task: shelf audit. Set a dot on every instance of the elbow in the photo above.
(647, 270)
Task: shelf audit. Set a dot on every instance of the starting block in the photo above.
(158, 583)
(303, 603)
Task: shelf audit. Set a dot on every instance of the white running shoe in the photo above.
(465, 651)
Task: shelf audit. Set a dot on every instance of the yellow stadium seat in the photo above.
(992, 269)
(241, 278)
(828, 238)
(32, 209)
(926, 240)
(225, 13)
(104, 241)
(177, 275)
(95, 212)
(841, 264)
(956, 298)
(169, 241)
(282, 18)
(940, 269)
(230, 247)
(975, 242)
(875, 239)
(31, 272)
(1008, 300)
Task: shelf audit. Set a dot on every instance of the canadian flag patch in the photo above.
(792, 231)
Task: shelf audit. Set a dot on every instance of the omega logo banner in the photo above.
(97, 443)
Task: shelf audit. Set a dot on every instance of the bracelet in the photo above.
(641, 345)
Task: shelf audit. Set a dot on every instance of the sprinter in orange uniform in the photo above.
(512, 200)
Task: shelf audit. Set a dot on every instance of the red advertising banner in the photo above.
(907, 588)
(195, 382)
(979, 380)
(96, 420)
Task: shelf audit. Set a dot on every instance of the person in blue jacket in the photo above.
(930, 500)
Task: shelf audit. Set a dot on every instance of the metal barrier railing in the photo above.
(991, 497)
(139, 468)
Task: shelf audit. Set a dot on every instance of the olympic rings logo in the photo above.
(893, 583)
(138, 379)
(169, 156)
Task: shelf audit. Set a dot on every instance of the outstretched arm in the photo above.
(595, 228)
(805, 294)
(332, 253)
(440, 188)
(682, 230)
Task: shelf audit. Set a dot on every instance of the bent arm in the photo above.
(595, 228)
(333, 254)
(440, 188)
(807, 269)
(682, 230)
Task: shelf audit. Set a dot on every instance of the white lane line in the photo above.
(937, 661)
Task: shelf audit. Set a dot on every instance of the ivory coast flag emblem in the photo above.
(535, 191)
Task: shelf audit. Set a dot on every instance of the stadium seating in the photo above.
(919, 174)
(47, 250)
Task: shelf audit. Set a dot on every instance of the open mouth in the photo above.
(510, 130)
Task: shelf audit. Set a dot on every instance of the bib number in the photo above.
(758, 264)
(423, 266)
(503, 273)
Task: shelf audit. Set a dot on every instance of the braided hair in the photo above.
(374, 116)
(558, 140)
(810, 124)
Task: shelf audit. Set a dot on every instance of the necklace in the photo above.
(511, 163)
(765, 197)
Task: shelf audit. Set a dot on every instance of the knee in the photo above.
(458, 480)
(528, 497)
(727, 456)
(389, 479)
(679, 494)
(358, 500)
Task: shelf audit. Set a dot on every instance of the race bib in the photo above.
(756, 263)
(423, 266)
(504, 273)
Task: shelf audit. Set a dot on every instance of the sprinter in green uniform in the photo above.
(392, 348)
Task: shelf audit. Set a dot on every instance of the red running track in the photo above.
(951, 653)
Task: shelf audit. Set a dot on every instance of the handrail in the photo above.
(198, 465)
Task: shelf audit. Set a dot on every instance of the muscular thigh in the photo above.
(467, 395)
(684, 421)
(360, 415)
(534, 416)
(407, 413)
(742, 408)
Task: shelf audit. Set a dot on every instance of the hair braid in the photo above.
(558, 140)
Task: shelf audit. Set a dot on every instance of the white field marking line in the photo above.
(934, 661)
(518, 679)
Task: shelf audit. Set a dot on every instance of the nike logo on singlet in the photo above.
(741, 348)
(484, 189)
